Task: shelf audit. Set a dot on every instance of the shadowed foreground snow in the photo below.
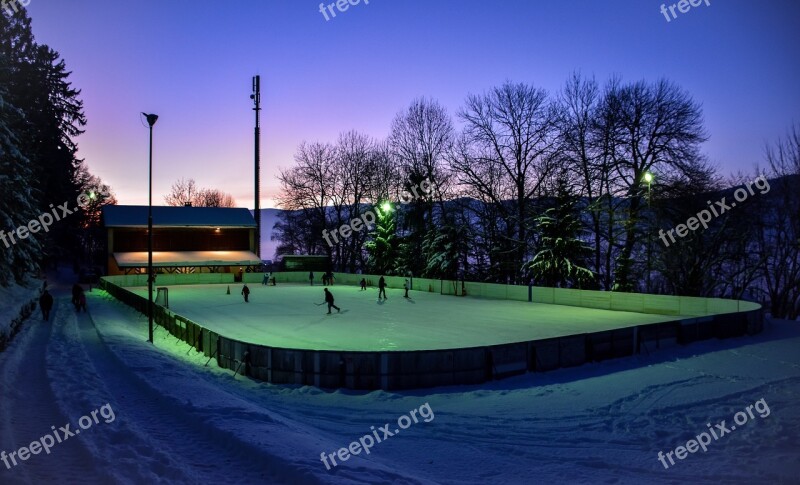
(177, 421)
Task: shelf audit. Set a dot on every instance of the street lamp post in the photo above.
(648, 178)
(151, 120)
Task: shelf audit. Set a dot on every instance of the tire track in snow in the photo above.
(29, 408)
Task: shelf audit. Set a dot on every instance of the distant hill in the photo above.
(268, 219)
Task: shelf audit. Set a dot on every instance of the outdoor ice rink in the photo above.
(286, 316)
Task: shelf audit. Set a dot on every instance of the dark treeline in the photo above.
(553, 188)
(40, 117)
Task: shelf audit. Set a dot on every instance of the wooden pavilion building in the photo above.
(185, 239)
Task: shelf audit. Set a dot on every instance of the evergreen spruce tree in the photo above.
(444, 249)
(562, 257)
(40, 116)
(18, 256)
(383, 244)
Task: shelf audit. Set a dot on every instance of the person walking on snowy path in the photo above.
(246, 293)
(46, 304)
(82, 302)
(382, 288)
(329, 301)
(76, 293)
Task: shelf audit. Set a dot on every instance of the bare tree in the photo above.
(183, 192)
(779, 229)
(213, 198)
(353, 164)
(309, 187)
(588, 163)
(653, 127)
(420, 139)
(509, 148)
(383, 175)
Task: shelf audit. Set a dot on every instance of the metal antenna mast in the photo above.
(256, 97)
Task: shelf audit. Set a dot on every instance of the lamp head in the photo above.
(151, 119)
(648, 177)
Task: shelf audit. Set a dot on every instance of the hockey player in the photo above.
(329, 301)
(382, 288)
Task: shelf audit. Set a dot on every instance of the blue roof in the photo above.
(136, 216)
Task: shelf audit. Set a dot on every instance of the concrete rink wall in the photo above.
(696, 319)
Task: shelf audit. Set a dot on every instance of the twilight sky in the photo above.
(191, 62)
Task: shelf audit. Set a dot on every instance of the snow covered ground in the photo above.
(177, 421)
(286, 316)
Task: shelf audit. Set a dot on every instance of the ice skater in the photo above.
(246, 293)
(363, 284)
(329, 301)
(46, 304)
(406, 286)
(311, 278)
(382, 288)
(265, 281)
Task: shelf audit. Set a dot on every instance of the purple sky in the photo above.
(191, 62)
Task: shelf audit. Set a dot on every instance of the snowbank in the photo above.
(16, 303)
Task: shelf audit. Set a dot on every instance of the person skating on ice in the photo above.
(329, 301)
(363, 284)
(311, 278)
(246, 293)
(382, 288)
(406, 286)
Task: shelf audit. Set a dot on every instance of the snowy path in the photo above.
(157, 434)
(29, 409)
(177, 421)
